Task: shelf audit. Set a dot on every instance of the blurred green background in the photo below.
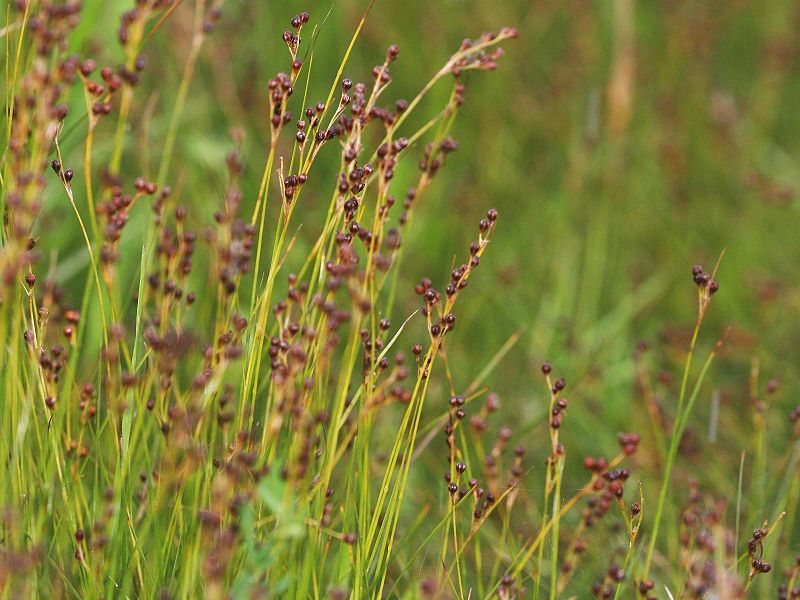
(620, 141)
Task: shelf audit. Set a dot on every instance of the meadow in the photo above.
(400, 299)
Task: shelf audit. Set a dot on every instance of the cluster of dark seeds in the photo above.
(629, 442)
(458, 281)
(479, 422)
(51, 23)
(794, 419)
(360, 99)
(50, 364)
(176, 248)
(116, 212)
(281, 88)
(234, 243)
(288, 356)
(65, 174)
(102, 94)
(608, 487)
(213, 14)
(292, 38)
(645, 587)
(704, 280)
(755, 548)
(87, 402)
(435, 155)
(606, 588)
(472, 56)
(389, 154)
(558, 409)
(508, 588)
(133, 18)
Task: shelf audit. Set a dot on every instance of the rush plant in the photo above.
(222, 403)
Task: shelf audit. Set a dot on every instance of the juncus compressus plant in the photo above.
(242, 418)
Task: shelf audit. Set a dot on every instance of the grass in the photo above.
(240, 347)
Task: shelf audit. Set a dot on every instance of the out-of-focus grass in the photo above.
(623, 142)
